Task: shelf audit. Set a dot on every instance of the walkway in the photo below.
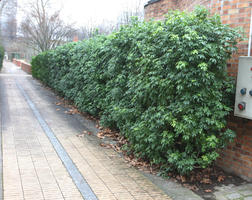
(43, 157)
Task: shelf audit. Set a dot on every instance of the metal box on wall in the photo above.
(243, 96)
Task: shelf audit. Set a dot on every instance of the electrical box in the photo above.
(243, 96)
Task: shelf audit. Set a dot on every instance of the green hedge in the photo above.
(162, 84)
(1, 56)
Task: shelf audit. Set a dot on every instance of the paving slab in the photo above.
(27, 172)
(232, 192)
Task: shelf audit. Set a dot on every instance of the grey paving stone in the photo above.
(220, 198)
(245, 186)
(246, 192)
(175, 190)
(234, 196)
(248, 198)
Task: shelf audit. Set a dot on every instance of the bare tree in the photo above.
(134, 8)
(129, 9)
(8, 25)
(43, 29)
(3, 4)
(91, 28)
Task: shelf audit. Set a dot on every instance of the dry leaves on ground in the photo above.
(191, 187)
(72, 111)
(84, 133)
(221, 178)
(58, 103)
(206, 181)
(108, 146)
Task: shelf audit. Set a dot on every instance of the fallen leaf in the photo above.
(208, 191)
(221, 178)
(192, 178)
(87, 132)
(191, 187)
(100, 135)
(108, 146)
(72, 111)
(183, 179)
(57, 109)
(206, 181)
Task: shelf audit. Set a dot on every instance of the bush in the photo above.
(162, 84)
(1, 56)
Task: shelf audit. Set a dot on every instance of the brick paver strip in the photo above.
(1, 158)
(32, 169)
(77, 177)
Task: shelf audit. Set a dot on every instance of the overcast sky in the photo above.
(91, 11)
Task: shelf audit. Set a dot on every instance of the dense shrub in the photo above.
(1, 56)
(162, 84)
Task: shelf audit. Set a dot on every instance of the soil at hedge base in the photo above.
(204, 181)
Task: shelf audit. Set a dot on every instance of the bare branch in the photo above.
(43, 29)
(136, 9)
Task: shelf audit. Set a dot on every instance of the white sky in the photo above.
(91, 11)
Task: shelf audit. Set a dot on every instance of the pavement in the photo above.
(44, 157)
(232, 192)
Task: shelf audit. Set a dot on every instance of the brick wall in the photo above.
(236, 13)
(24, 66)
(157, 9)
(17, 62)
(237, 157)
(190, 4)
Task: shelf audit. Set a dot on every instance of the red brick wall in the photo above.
(17, 62)
(237, 157)
(190, 4)
(24, 66)
(236, 13)
(159, 9)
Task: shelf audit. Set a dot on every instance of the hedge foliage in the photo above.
(1, 56)
(162, 84)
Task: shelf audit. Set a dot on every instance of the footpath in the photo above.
(43, 157)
